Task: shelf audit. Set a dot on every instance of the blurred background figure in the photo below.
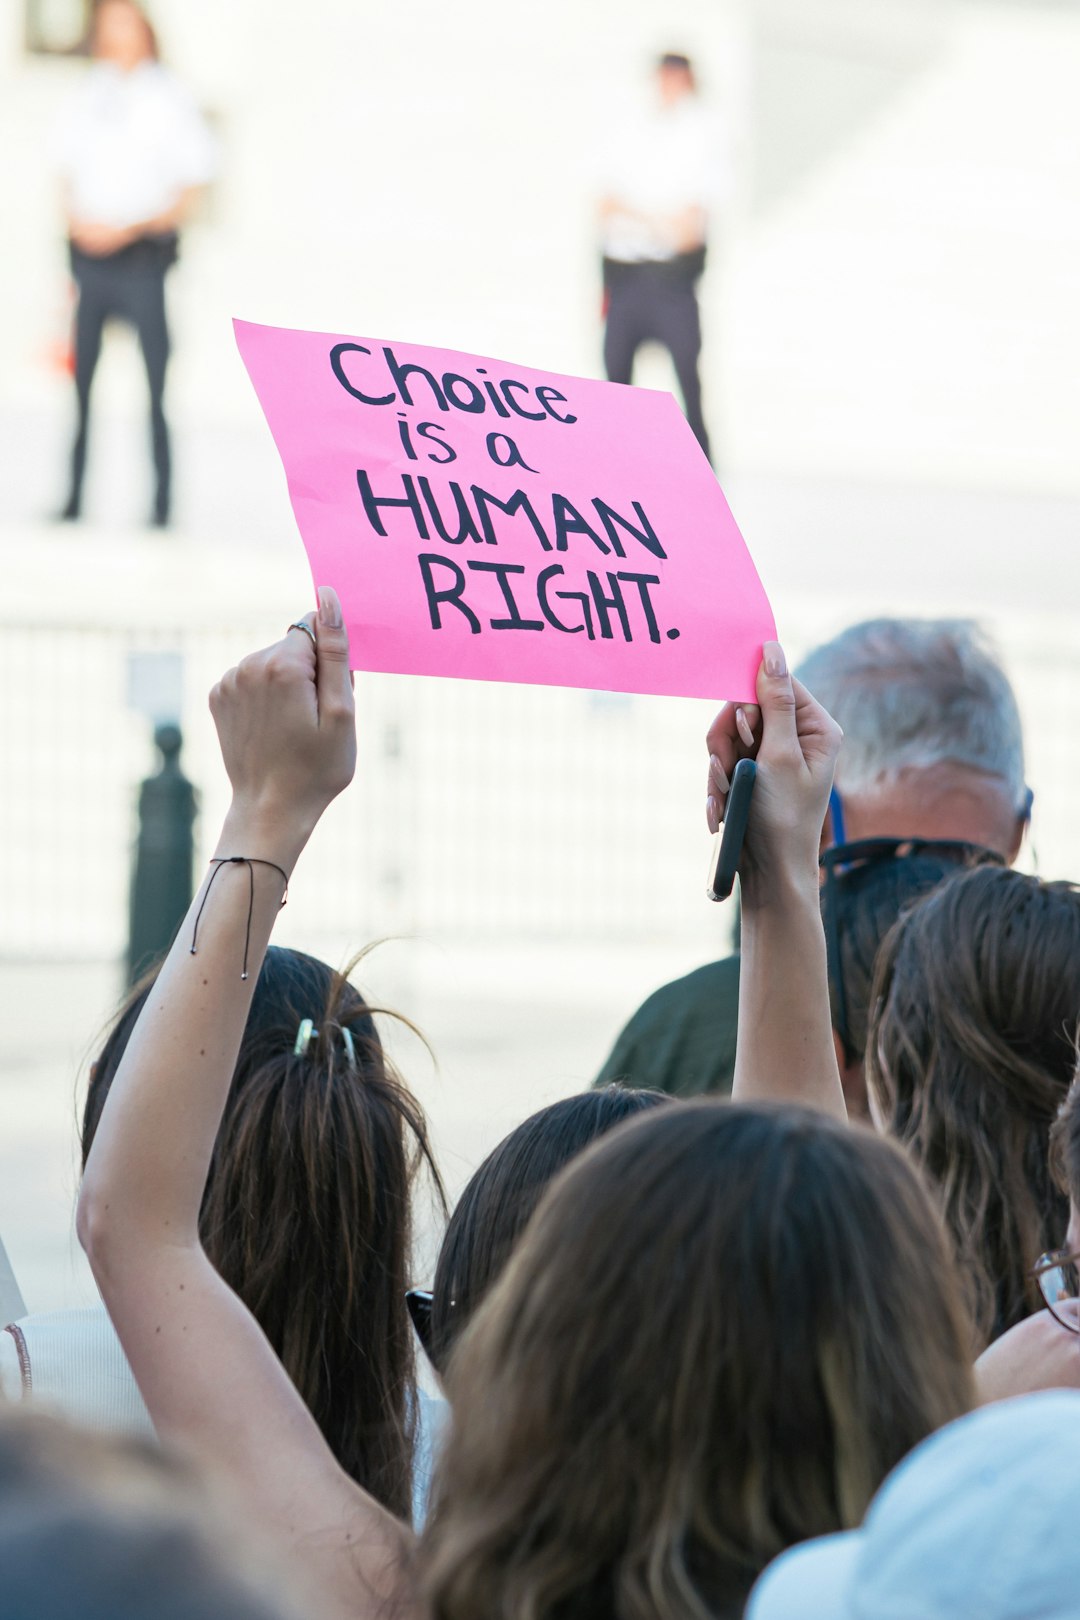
(662, 171)
(133, 152)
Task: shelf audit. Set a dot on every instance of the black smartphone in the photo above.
(727, 846)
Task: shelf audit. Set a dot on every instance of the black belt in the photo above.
(681, 269)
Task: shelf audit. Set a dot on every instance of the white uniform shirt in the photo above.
(130, 143)
(661, 162)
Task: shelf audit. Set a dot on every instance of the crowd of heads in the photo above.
(677, 1339)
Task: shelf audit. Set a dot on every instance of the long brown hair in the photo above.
(976, 1001)
(720, 1331)
(307, 1209)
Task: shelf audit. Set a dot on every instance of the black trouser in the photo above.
(657, 303)
(127, 286)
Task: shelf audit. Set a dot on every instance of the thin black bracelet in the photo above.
(250, 861)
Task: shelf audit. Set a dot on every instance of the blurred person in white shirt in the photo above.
(133, 151)
(664, 174)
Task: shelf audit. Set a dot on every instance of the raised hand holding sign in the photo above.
(495, 522)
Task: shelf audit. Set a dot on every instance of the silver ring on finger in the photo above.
(306, 628)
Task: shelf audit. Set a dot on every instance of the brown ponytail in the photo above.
(306, 1212)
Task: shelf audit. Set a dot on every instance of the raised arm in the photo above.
(206, 1372)
(785, 1050)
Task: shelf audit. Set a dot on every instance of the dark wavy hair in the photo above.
(495, 1207)
(307, 1208)
(976, 1002)
(859, 905)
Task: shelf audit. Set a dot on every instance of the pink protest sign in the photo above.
(486, 520)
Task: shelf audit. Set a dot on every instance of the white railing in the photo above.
(480, 812)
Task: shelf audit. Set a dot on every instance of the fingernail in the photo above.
(710, 814)
(329, 608)
(719, 775)
(775, 662)
(744, 728)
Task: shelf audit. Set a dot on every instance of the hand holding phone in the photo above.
(728, 842)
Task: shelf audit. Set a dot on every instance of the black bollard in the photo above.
(161, 884)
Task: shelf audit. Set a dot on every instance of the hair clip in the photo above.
(306, 1030)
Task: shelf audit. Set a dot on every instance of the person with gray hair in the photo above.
(932, 746)
(932, 755)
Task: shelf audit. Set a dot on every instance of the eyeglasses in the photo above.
(1058, 1277)
(419, 1302)
(840, 860)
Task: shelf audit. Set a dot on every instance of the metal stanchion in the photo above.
(161, 884)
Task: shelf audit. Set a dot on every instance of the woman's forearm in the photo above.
(785, 1046)
(146, 1172)
(206, 1370)
(286, 725)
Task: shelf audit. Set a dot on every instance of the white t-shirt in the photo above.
(72, 1363)
(130, 143)
(662, 161)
